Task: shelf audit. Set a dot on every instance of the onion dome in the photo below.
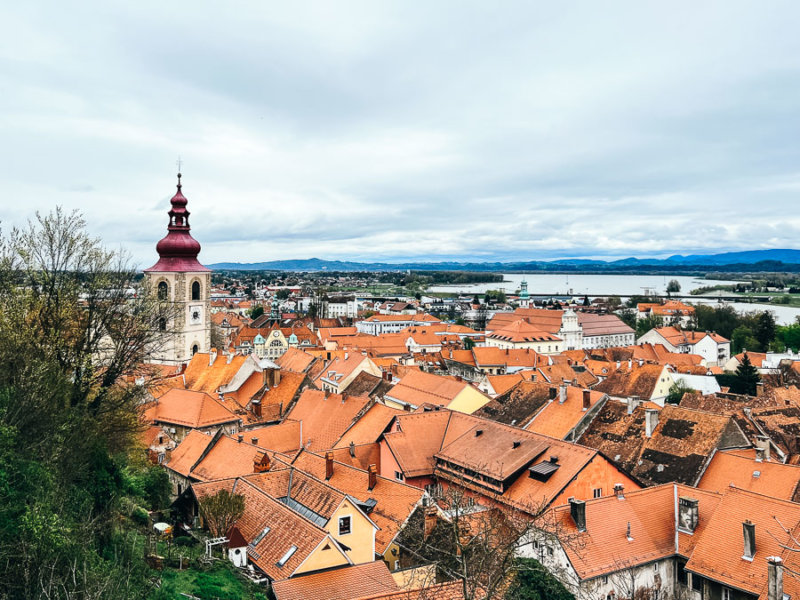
(178, 250)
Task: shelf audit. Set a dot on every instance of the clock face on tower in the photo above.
(195, 314)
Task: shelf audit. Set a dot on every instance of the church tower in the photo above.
(180, 279)
(524, 296)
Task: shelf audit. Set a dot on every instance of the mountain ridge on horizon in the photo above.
(747, 257)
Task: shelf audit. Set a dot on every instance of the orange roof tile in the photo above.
(521, 331)
(286, 528)
(556, 419)
(201, 376)
(295, 360)
(502, 383)
(770, 478)
(719, 556)
(450, 590)
(369, 427)
(326, 416)
(418, 387)
(396, 500)
(338, 584)
(189, 409)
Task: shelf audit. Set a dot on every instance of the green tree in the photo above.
(648, 323)
(673, 287)
(742, 338)
(746, 378)
(765, 330)
(676, 392)
(221, 510)
(533, 582)
(283, 294)
(256, 311)
(71, 336)
(468, 343)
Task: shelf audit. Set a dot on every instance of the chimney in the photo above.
(562, 393)
(577, 510)
(256, 407)
(212, 356)
(431, 516)
(774, 578)
(239, 438)
(552, 393)
(254, 441)
(633, 402)
(650, 421)
(587, 399)
(478, 432)
(372, 472)
(759, 389)
(328, 465)
(619, 490)
(619, 364)
(630, 363)
(762, 448)
(229, 358)
(749, 531)
(687, 514)
(346, 355)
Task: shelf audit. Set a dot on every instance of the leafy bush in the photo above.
(140, 516)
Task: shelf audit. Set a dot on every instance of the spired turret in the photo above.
(179, 278)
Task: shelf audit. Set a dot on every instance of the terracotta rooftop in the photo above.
(203, 375)
(521, 331)
(681, 443)
(326, 416)
(729, 469)
(451, 590)
(343, 583)
(395, 500)
(638, 381)
(417, 387)
(369, 427)
(285, 529)
(295, 360)
(190, 409)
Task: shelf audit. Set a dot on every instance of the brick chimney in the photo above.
(587, 399)
(552, 393)
(619, 490)
(633, 402)
(352, 449)
(239, 438)
(431, 516)
(328, 465)
(577, 510)
(774, 578)
(759, 389)
(687, 514)
(650, 421)
(372, 472)
(254, 441)
(749, 532)
(256, 408)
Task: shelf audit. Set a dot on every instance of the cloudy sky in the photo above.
(395, 130)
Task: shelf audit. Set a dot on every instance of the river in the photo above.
(624, 285)
(578, 285)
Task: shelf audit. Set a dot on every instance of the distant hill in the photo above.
(766, 260)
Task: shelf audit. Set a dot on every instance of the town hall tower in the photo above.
(180, 279)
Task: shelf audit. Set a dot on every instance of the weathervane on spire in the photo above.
(179, 163)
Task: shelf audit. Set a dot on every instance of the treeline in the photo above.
(73, 490)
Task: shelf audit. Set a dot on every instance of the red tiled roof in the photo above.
(326, 416)
(338, 584)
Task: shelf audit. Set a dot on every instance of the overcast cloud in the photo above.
(395, 130)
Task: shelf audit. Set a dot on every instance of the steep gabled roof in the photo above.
(395, 500)
(764, 477)
(326, 416)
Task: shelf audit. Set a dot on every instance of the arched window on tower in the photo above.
(196, 290)
(163, 290)
(195, 349)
